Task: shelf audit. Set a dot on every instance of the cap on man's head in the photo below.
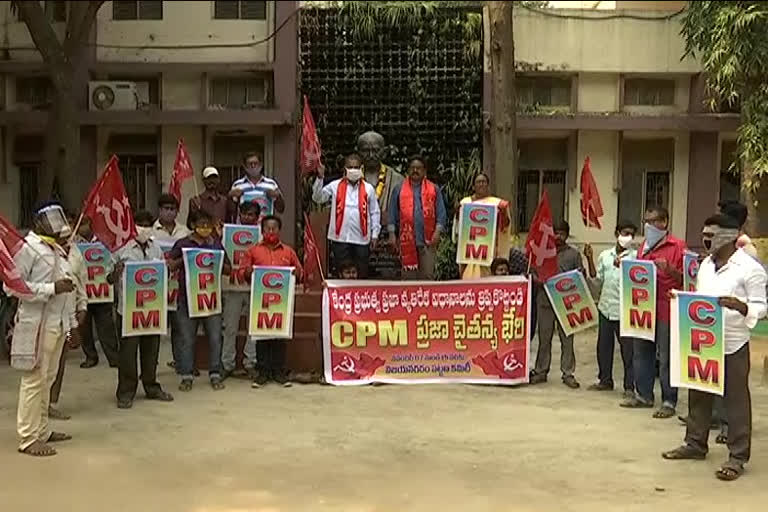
(210, 171)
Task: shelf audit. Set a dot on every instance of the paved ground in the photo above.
(393, 448)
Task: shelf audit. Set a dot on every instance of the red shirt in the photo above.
(670, 249)
(263, 255)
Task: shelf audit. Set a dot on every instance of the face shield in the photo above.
(53, 222)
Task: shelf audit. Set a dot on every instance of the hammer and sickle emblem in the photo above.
(117, 225)
(540, 251)
(346, 365)
(511, 363)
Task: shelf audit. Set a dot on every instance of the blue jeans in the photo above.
(188, 337)
(645, 367)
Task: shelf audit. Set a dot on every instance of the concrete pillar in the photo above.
(703, 183)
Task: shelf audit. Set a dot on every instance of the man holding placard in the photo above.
(140, 280)
(607, 272)
(665, 252)
(202, 260)
(739, 282)
(256, 187)
(568, 258)
(237, 239)
(275, 289)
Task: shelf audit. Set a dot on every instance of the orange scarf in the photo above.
(362, 205)
(408, 252)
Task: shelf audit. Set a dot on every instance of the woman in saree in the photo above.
(503, 236)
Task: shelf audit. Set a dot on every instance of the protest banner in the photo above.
(572, 302)
(697, 343)
(203, 281)
(272, 299)
(98, 262)
(473, 331)
(690, 270)
(260, 197)
(477, 234)
(237, 239)
(144, 298)
(637, 300)
(173, 278)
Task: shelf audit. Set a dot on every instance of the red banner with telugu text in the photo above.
(427, 332)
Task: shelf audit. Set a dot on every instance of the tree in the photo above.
(731, 41)
(504, 110)
(68, 62)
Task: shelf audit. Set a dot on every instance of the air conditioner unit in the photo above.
(112, 96)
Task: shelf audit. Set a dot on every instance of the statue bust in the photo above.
(370, 146)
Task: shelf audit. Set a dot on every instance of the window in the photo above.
(543, 164)
(28, 175)
(646, 168)
(730, 179)
(544, 90)
(34, 91)
(137, 153)
(238, 93)
(649, 92)
(228, 151)
(56, 11)
(137, 10)
(240, 10)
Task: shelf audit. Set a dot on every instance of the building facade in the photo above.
(221, 75)
(614, 86)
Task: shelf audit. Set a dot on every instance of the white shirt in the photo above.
(160, 234)
(741, 277)
(351, 232)
(132, 251)
(40, 266)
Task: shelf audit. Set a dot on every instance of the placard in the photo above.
(572, 302)
(203, 281)
(638, 299)
(98, 262)
(477, 234)
(144, 298)
(273, 292)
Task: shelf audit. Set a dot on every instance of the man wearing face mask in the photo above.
(739, 281)
(142, 248)
(607, 273)
(166, 228)
(43, 320)
(202, 237)
(666, 252)
(355, 217)
(270, 252)
(255, 180)
(212, 201)
(417, 218)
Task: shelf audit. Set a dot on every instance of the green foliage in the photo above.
(731, 41)
(446, 267)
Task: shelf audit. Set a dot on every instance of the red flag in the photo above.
(311, 254)
(109, 209)
(310, 144)
(540, 244)
(182, 170)
(10, 244)
(591, 206)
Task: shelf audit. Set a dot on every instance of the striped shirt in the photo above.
(257, 192)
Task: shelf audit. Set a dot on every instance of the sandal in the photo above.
(186, 385)
(38, 449)
(56, 414)
(684, 452)
(722, 437)
(161, 396)
(729, 471)
(217, 384)
(635, 403)
(57, 437)
(664, 413)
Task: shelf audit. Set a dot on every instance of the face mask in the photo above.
(354, 175)
(272, 238)
(142, 234)
(253, 172)
(203, 232)
(720, 238)
(653, 235)
(625, 240)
